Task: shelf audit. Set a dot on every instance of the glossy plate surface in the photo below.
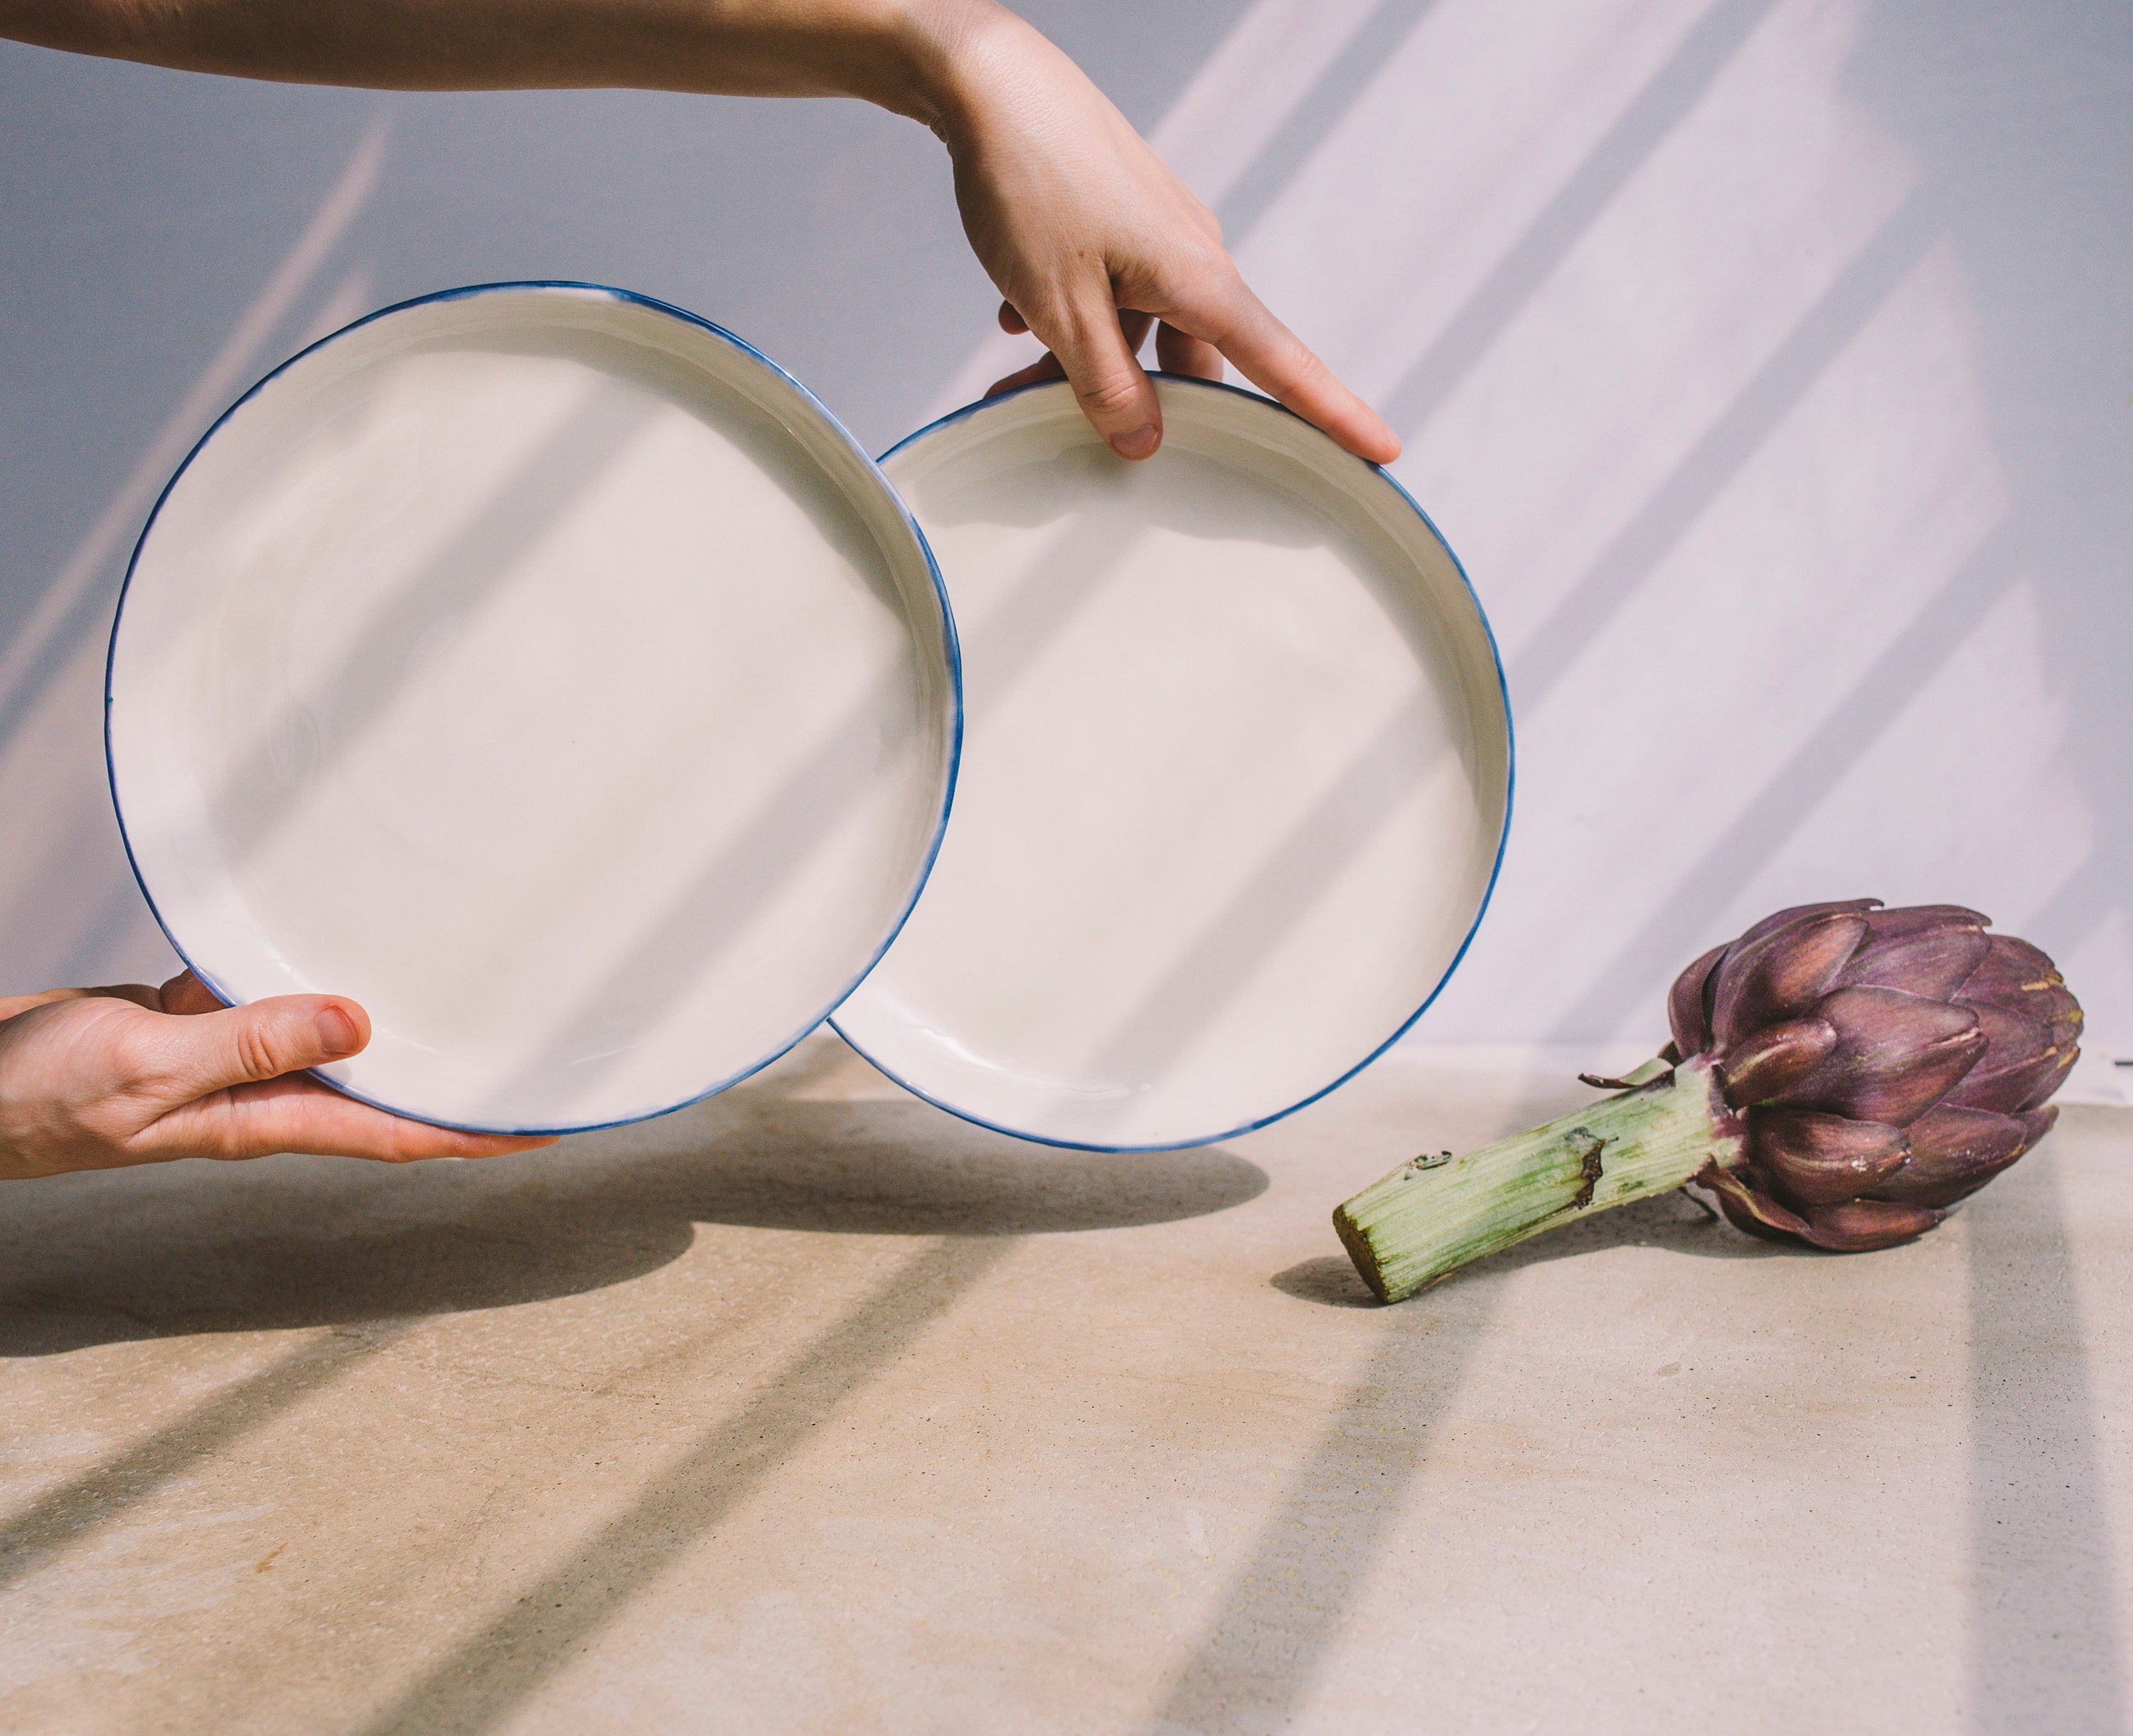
(1235, 785)
(545, 669)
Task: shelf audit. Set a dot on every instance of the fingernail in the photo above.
(1138, 444)
(337, 1034)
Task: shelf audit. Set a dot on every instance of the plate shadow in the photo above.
(295, 1241)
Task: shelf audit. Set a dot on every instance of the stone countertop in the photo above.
(812, 1409)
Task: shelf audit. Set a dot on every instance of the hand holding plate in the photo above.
(105, 1078)
(1090, 236)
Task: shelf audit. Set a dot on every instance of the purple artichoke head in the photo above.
(1886, 1063)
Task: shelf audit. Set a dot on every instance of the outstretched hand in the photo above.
(102, 1078)
(1092, 240)
(1090, 237)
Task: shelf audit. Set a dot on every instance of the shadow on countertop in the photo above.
(295, 1241)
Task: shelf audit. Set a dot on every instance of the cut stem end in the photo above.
(1431, 1216)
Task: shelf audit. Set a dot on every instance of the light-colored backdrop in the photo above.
(1767, 361)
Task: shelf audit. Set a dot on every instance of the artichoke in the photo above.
(1886, 1062)
(1840, 1075)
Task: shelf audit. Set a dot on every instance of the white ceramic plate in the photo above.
(1236, 782)
(545, 669)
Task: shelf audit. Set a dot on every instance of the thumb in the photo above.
(245, 1044)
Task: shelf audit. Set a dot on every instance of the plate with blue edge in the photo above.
(543, 667)
(1236, 780)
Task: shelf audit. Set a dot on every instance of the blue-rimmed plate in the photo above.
(545, 669)
(1236, 782)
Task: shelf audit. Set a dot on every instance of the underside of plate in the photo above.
(1236, 780)
(546, 670)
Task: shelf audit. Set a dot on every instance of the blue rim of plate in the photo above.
(951, 650)
(1496, 868)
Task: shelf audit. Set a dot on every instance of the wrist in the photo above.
(940, 60)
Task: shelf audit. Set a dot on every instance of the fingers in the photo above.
(14, 1003)
(139, 993)
(1134, 323)
(1179, 352)
(1275, 360)
(98, 1080)
(1108, 382)
(300, 1114)
(185, 994)
(238, 1045)
(1132, 326)
(234, 1077)
(1046, 367)
(1195, 343)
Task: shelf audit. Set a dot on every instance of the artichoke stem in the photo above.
(1434, 1214)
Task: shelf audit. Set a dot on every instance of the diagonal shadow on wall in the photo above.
(1324, 107)
(1789, 798)
(1724, 452)
(1664, 102)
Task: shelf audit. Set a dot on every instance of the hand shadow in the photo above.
(295, 1241)
(1676, 1221)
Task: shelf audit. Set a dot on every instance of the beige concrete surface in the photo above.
(814, 1409)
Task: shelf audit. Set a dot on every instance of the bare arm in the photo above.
(881, 50)
(1088, 236)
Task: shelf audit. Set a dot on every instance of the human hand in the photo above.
(1083, 228)
(1091, 240)
(103, 1078)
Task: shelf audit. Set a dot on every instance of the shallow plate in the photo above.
(1236, 782)
(545, 669)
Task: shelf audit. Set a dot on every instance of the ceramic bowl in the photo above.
(1236, 782)
(544, 668)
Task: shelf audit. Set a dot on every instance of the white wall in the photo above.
(1766, 360)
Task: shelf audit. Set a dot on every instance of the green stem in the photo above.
(1432, 1215)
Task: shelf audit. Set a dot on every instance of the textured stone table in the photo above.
(812, 1409)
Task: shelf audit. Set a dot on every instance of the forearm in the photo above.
(1088, 237)
(901, 53)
